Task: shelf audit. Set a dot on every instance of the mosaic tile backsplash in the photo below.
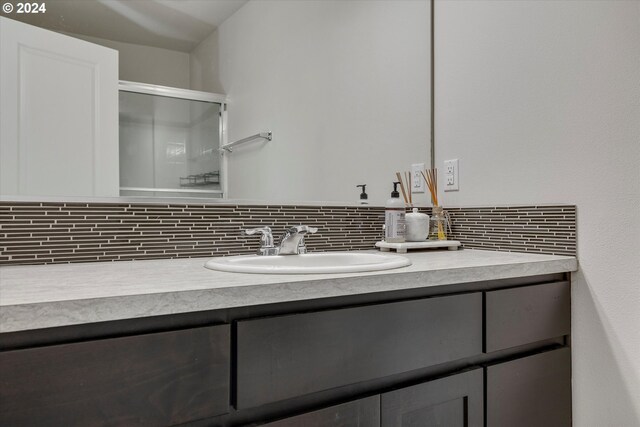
(46, 233)
(537, 229)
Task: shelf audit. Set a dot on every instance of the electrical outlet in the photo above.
(449, 167)
(417, 181)
(451, 174)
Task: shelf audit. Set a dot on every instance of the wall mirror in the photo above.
(343, 85)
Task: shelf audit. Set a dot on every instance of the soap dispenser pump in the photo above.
(394, 218)
(364, 198)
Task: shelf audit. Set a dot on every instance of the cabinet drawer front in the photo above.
(527, 314)
(359, 413)
(454, 401)
(156, 380)
(293, 355)
(532, 391)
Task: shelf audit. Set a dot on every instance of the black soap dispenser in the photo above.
(394, 218)
(364, 198)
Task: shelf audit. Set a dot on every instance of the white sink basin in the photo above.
(312, 263)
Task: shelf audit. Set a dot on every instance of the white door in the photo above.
(58, 114)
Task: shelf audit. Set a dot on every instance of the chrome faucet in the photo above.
(292, 242)
(266, 240)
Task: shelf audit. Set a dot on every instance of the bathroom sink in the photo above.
(311, 263)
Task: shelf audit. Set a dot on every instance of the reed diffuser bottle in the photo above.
(438, 227)
(438, 223)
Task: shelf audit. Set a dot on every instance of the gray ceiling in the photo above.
(171, 24)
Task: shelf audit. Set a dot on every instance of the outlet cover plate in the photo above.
(451, 175)
(417, 181)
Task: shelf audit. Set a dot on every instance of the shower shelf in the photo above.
(202, 179)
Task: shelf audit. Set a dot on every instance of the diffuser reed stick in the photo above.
(432, 184)
(408, 180)
(404, 194)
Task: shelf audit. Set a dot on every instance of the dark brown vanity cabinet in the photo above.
(534, 390)
(514, 339)
(488, 354)
(157, 379)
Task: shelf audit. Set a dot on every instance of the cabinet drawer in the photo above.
(287, 356)
(527, 314)
(454, 401)
(156, 379)
(359, 413)
(531, 391)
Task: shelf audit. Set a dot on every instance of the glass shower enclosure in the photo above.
(169, 142)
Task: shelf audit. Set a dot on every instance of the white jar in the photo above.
(417, 226)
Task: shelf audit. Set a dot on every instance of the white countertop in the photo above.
(33, 297)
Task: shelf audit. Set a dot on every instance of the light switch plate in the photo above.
(417, 181)
(451, 175)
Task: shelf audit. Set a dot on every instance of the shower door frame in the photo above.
(189, 95)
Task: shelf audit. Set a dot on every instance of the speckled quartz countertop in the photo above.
(33, 297)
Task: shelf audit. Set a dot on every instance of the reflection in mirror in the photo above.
(343, 86)
(169, 146)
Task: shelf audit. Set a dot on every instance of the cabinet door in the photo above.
(58, 114)
(531, 391)
(360, 413)
(155, 380)
(455, 401)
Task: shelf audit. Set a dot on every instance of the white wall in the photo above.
(204, 66)
(148, 64)
(343, 85)
(541, 102)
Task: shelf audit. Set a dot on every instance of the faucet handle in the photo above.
(266, 240)
(262, 230)
(303, 229)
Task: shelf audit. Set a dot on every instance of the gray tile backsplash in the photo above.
(45, 233)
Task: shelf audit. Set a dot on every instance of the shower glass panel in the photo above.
(169, 146)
